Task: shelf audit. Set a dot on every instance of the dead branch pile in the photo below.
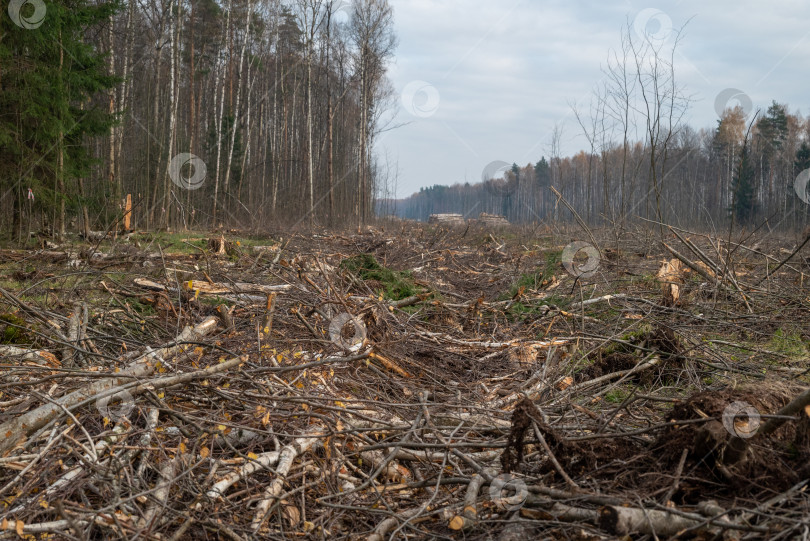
(408, 384)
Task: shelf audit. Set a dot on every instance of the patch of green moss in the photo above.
(13, 330)
(396, 285)
(640, 334)
(788, 343)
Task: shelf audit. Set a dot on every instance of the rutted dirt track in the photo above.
(411, 382)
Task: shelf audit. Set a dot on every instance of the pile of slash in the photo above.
(407, 382)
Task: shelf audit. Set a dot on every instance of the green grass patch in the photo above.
(534, 280)
(617, 396)
(394, 285)
(141, 308)
(216, 301)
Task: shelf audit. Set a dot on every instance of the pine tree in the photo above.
(802, 157)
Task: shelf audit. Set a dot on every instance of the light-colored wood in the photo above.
(128, 213)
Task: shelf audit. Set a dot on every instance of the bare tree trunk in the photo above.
(59, 222)
(174, 30)
(235, 123)
(219, 120)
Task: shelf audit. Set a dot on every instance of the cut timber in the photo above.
(260, 462)
(242, 290)
(446, 219)
(632, 520)
(266, 249)
(236, 287)
(670, 275)
(492, 220)
(287, 456)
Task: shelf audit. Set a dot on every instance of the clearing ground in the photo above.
(408, 381)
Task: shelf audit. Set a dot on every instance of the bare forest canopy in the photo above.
(643, 160)
(208, 112)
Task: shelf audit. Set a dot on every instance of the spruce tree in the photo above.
(743, 202)
(49, 75)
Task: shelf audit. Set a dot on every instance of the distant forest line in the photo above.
(709, 176)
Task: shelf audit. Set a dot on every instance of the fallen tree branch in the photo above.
(15, 431)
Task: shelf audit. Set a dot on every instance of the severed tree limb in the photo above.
(694, 267)
(286, 458)
(737, 447)
(161, 494)
(388, 524)
(578, 305)
(262, 461)
(469, 515)
(17, 430)
(469, 343)
(781, 417)
(267, 321)
(74, 329)
(620, 520)
(38, 356)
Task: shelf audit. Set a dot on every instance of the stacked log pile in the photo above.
(446, 219)
(492, 220)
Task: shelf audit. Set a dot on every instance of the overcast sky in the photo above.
(487, 80)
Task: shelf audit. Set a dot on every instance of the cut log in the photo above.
(469, 515)
(236, 287)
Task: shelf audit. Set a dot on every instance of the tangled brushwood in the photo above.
(411, 382)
